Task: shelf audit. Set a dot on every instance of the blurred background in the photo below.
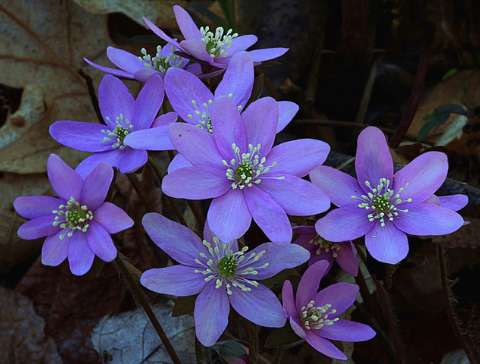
(410, 67)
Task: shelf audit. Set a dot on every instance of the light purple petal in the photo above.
(80, 256)
(349, 331)
(339, 186)
(387, 244)
(239, 44)
(211, 314)
(344, 223)
(228, 127)
(100, 242)
(195, 183)
(324, 346)
(114, 100)
(179, 242)
(30, 207)
(373, 159)
(112, 71)
(160, 33)
(148, 103)
(112, 218)
(179, 161)
(165, 119)
(187, 95)
(54, 250)
(83, 136)
(150, 139)
(453, 202)
(237, 82)
(286, 112)
(124, 60)
(96, 185)
(288, 300)
(347, 259)
(196, 48)
(308, 286)
(37, 228)
(278, 256)
(428, 219)
(260, 55)
(186, 24)
(144, 74)
(65, 181)
(286, 156)
(296, 196)
(297, 328)
(228, 216)
(268, 215)
(260, 306)
(194, 68)
(176, 280)
(196, 145)
(422, 177)
(127, 160)
(340, 295)
(261, 118)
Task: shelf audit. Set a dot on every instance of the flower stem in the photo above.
(141, 299)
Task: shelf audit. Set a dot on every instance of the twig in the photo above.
(367, 92)
(338, 124)
(92, 94)
(141, 299)
(468, 346)
(417, 92)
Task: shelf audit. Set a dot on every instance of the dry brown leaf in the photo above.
(460, 88)
(43, 43)
(22, 336)
(466, 237)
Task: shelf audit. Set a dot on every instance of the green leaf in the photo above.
(438, 117)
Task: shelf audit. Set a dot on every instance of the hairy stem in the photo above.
(141, 299)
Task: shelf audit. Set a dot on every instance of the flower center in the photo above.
(122, 128)
(71, 217)
(323, 246)
(229, 269)
(246, 168)
(202, 115)
(159, 62)
(216, 43)
(383, 201)
(227, 266)
(316, 317)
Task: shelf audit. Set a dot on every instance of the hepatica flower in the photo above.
(192, 100)
(213, 46)
(221, 274)
(383, 206)
(238, 168)
(131, 127)
(315, 316)
(143, 66)
(77, 224)
(344, 253)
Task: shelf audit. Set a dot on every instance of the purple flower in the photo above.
(192, 100)
(344, 253)
(383, 206)
(78, 222)
(131, 127)
(221, 273)
(314, 316)
(238, 168)
(215, 47)
(144, 66)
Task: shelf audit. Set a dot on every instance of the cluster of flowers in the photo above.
(226, 153)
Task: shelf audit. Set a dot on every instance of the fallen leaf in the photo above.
(22, 336)
(130, 337)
